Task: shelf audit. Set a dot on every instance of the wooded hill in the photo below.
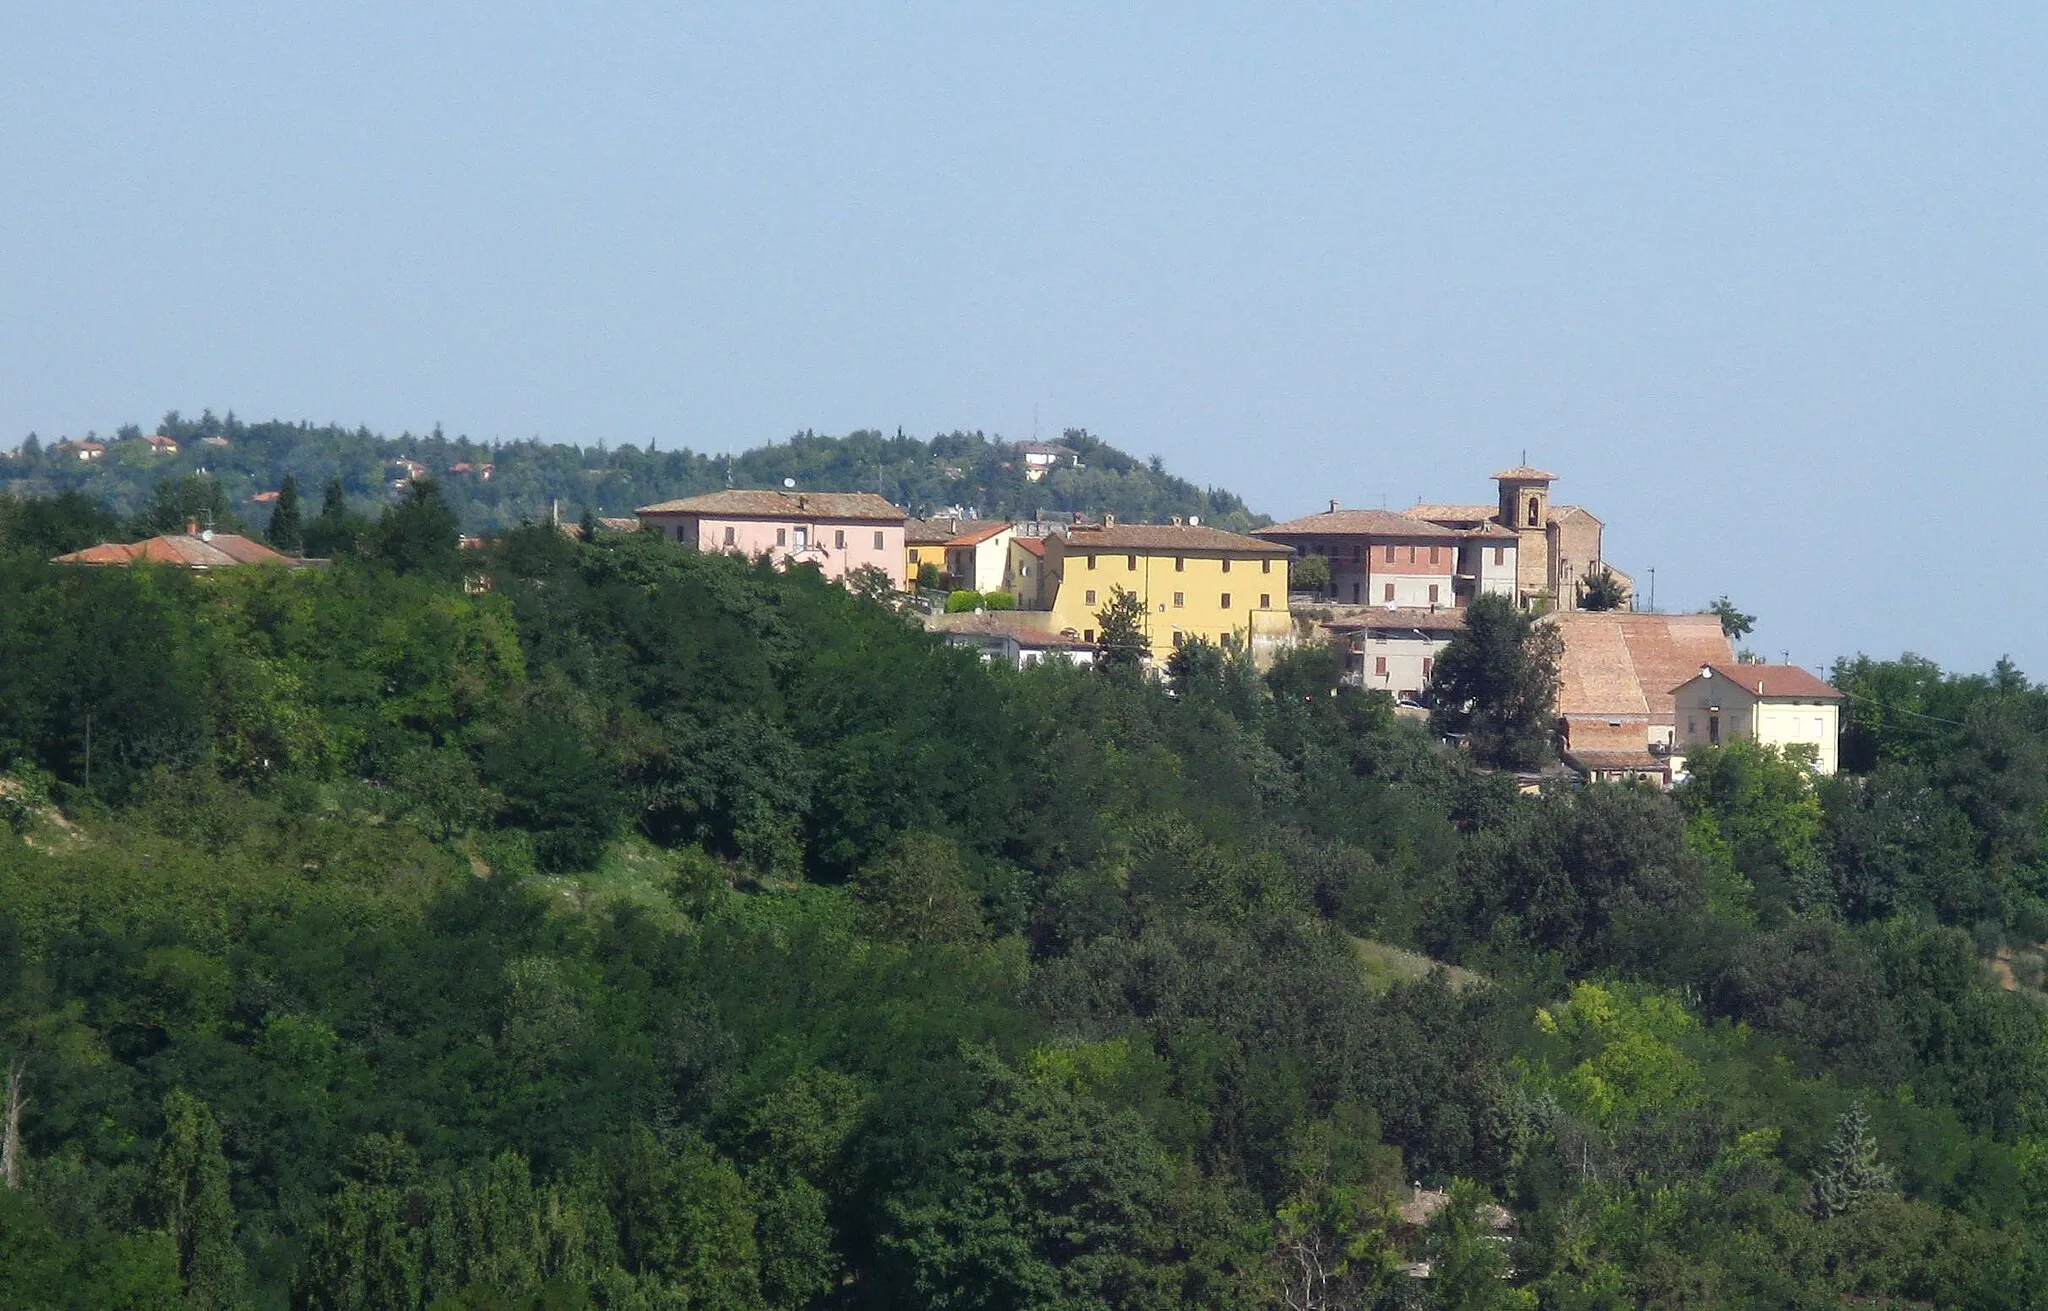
(655, 929)
(529, 479)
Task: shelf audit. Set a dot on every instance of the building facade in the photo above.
(839, 532)
(1380, 558)
(1395, 651)
(1780, 706)
(1194, 581)
(1556, 546)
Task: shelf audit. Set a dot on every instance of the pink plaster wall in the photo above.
(752, 537)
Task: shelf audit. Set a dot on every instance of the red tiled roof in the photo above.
(263, 498)
(1032, 545)
(206, 551)
(1617, 664)
(1006, 623)
(1773, 681)
(1377, 523)
(1438, 513)
(979, 533)
(783, 505)
(1448, 619)
(1165, 537)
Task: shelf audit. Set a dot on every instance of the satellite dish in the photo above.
(789, 482)
(1194, 521)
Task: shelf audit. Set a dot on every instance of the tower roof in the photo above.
(1522, 473)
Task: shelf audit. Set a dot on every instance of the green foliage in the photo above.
(286, 532)
(929, 577)
(1601, 590)
(598, 923)
(418, 535)
(1309, 573)
(1120, 640)
(962, 602)
(1496, 682)
(998, 601)
(1735, 625)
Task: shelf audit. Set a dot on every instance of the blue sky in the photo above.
(1763, 284)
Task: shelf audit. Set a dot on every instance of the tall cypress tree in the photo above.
(286, 533)
(189, 1190)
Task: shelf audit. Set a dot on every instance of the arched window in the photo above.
(1533, 504)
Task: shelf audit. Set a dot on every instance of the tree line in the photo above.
(602, 923)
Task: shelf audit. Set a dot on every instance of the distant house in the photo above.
(1614, 702)
(1024, 572)
(978, 558)
(959, 547)
(1041, 458)
(161, 445)
(1774, 705)
(1552, 546)
(1016, 638)
(1193, 581)
(1395, 650)
(264, 498)
(220, 443)
(1380, 558)
(839, 532)
(87, 451)
(462, 468)
(194, 549)
(409, 470)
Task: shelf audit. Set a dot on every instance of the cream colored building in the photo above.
(1773, 705)
(1556, 545)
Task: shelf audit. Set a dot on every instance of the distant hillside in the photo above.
(978, 474)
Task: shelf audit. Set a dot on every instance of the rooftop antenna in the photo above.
(728, 471)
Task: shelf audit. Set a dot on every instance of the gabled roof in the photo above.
(1374, 523)
(1560, 512)
(943, 530)
(1522, 473)
(1032, 545)
(1445, 620)
(979, 533)
(783, 505)
(1041, 448)
(1620, 665)
(1165, 537)
(204, 551)
(1439, 513)
(1771, 681)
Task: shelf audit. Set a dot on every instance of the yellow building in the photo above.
(1774, 705)
(1194, 582)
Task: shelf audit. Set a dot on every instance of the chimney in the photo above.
(1176, 521)
(191, 528)
(1333, 505)
(1109, 521)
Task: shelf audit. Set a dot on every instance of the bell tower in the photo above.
(1525, 507)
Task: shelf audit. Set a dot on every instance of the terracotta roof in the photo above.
(979, 533)
(1523, 473)
(1773, 681)
(1041, 448)
(1032, 545)
(783, 505)
(264, 498)
(1574, 512)
(943, 530)
(1379, 523)
(1439, 513)
(1005, 623)
(1165, 537)
(1445, 620)
(207, 551)
(1617, 664)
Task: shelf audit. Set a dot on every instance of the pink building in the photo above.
(837, 531)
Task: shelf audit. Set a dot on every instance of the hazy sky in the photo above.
(1765, 285)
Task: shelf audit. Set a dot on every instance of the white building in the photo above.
(1773, 705)
(1395, 650)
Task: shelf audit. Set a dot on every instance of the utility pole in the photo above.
(88, 749)
(1653, 591)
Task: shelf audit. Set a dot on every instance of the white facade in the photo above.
(1495, 565)
(1396, 657)
(981, 566)
(1717, 707)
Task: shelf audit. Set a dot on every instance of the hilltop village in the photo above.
(1388, 588)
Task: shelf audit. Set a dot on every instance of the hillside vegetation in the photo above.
(653, 929)
(532, 480)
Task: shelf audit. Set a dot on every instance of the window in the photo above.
(1354, 592)
(1714, 730)
(1390, 555)
(1131, 563)
(1265, 566)
(803, 538)
(1087, 634)
(1411, 555)
(729, 535)
(782, 537)
(1379, 666)
(1432, 593)
(1179, 599)
(1180, 565)
(878, 539)
(1176, 639)
(1534, 512)
(1226, 600)
(839, 539)
(1389, 597)
(1091, 562)
(1500, 555)
(1357, 551)
(1427, 664)
(1226, 564)
(1432, 555)
(1265, 600)
(1091, 596)
(1692, 726)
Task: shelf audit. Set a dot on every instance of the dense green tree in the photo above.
(286, 532)
(1309, 573)
(1851, 1173)
(419, 535)
(188, 1197)
(1735, 625)
(1120, 641)
(1496, 682)
(1601, 590)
